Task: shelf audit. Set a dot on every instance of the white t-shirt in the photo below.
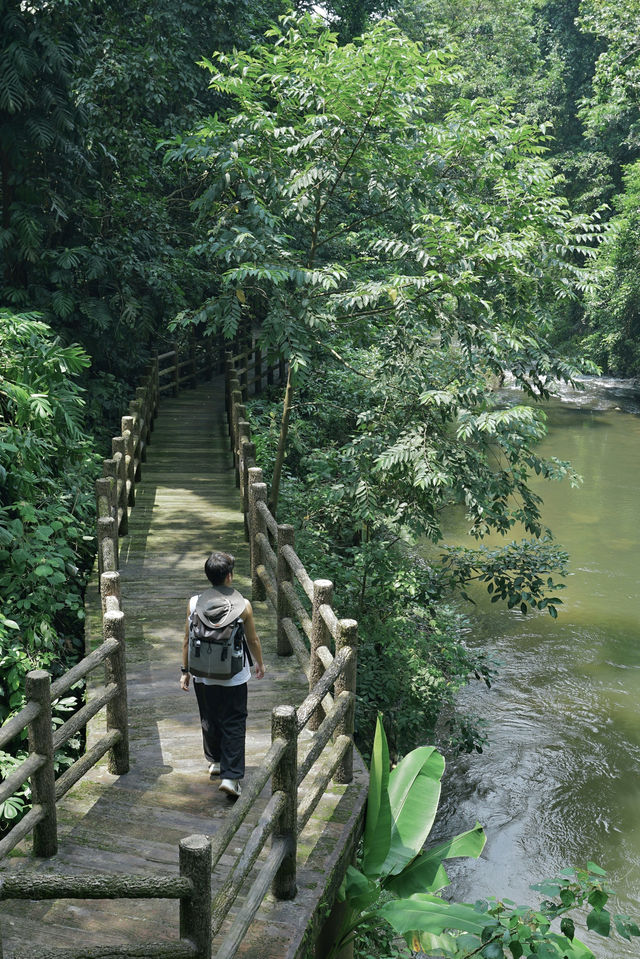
(242, 677)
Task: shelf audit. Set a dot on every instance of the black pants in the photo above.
(223, 716)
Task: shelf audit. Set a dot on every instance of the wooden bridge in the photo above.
(130, 825)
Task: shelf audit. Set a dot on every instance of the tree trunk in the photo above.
(282, 445)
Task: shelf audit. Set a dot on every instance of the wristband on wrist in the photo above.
(183, 669)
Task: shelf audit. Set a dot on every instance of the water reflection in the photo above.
(560, 782)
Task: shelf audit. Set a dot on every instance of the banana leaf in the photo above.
(424, 913)
(414, 792)
(377, 830)
(425, 873)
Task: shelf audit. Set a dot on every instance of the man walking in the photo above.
(223, 702)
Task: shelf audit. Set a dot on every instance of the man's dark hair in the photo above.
(218, 567)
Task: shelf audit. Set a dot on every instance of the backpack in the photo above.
(217, 644)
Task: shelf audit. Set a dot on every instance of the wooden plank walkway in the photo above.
(186, 505)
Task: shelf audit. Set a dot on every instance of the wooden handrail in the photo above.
(192, 887)
(276, 570)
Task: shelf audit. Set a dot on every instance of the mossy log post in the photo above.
(346, 682)
(257, 525)
(322, 595)
(235, 396)
(129, 458)
(43, 784)
(247, 461)
(195, 910)
(118, 450)
(286, 536)
(117, 709)
(284, 725)
(228, 374)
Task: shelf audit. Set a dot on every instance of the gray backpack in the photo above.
(217, 644)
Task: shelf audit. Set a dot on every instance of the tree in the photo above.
(40, 155)
(613, 308)
(373, 224)
(611, 112)
(96, 232)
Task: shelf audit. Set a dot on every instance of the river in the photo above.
(559, 782)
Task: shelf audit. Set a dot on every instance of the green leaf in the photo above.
(358, 890)
(425, 872)
(599, 921)
(425, 913)
(598, 898)
(414, 792)
(377, 830)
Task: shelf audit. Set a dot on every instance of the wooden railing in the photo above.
(278, 575)
(192, 887)
(175, 368)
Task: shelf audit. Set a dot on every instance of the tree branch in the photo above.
(357, 143)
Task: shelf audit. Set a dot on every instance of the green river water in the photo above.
(559, 782)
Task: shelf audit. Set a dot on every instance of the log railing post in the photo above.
(237, 414)
(43, 783)
(110, 589)
(322, 595)
(257, 494)
(347, 636)
(117, 711)
(247, 461)
(106, 508)
(195, 910)
(156, 390)
(236, 400)
(284, 725)
(177, 369)
(143, 397)
(119, 455)
(107, 544)
(286, 536)
(136, 414)
(244, 436)
(129, 458)
(228, 375)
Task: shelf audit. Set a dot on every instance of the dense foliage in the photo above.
(47, 517)
(96, 233)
